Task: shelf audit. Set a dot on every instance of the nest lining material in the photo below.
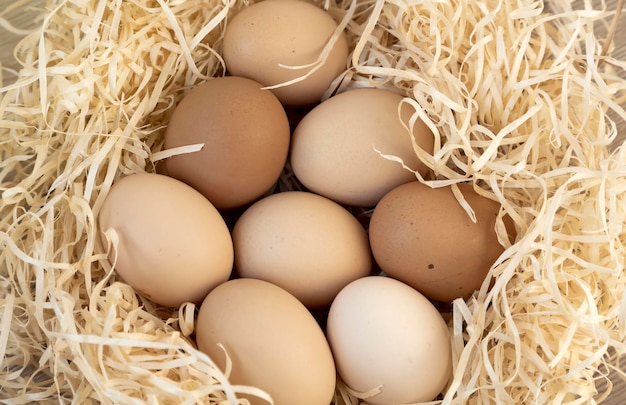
(522, 103)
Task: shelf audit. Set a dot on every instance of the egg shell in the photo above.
(302, 242)
(273, 341)
(384, 334)
(333, 148)
(245, 132)
(423, 237)
(174, 247)
(266, 38)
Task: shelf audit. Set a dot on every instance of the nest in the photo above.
(523, 103)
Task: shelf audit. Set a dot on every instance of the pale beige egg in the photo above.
(336, 148)
(266, 40)
(173, 245)
(273, 341)
(305, 243)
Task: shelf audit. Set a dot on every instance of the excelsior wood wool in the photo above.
(90, 106)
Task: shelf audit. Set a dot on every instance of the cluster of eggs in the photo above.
(258, 279)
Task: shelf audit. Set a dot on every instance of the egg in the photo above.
(245, 133)
(423, 237)
(334, 147)
(273, 341)
(267, 39)
(173, 245)
(302, 242)
(385, 335)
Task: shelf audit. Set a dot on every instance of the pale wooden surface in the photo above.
(24, 19)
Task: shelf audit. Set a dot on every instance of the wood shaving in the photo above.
(522, 101)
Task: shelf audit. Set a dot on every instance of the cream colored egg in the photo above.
(302, 242)
(173, 245)
(386, 335)
(273, 341)
(265, 39)
(336, 148)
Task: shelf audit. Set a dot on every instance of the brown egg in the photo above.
(305, 243)
(271, 33)
(423, 237)
(334, 147)
(273, 341)
(245, 133)
(174, 246)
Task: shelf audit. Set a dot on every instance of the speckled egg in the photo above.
(423, 237)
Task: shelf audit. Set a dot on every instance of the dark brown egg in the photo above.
(423, 237)
(245, 132)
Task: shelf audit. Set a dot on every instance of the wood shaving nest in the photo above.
(522, 102)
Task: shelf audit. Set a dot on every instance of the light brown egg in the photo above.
(266, 36)
(273, 341)
(302, 242)
(334, 147)
(423, 237)
(384, 334)
(245, 132)
(174, 246)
